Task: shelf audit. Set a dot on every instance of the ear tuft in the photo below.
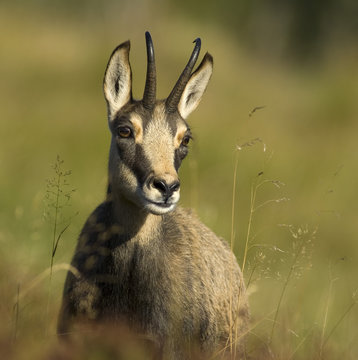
(196, 87)
(117, 82)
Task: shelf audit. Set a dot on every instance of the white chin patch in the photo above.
(159, 209)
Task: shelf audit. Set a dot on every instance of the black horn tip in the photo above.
(196, 50)
(150, 47)
(147, 36)
(197, 41)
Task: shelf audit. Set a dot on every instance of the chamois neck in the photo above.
(137, 223)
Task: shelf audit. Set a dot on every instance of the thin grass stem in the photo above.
(42, 276)
(346, 312)
(284, 288)
(301, 343)
(325, 319)
(16, 311)
(252, 205)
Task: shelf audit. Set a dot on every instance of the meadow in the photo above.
(272, 169)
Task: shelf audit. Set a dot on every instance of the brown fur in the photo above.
(159, 271)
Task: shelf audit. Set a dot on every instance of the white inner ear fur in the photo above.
(194, 90)
(117, 80)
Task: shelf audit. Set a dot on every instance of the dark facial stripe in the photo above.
(133, 157)
(179, 156)
(142, 166)
(172, 122)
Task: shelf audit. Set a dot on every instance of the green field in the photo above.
(290, 129)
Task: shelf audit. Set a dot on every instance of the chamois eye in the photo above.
(124, 131)
(185, 141)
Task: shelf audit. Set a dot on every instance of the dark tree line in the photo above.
(298, 29)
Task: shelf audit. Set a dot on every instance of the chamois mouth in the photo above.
(158, 197)
(159, 207)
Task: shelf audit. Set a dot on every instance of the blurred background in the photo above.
(281, 109)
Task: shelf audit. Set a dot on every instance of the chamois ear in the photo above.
(117, 82)
(196, 87)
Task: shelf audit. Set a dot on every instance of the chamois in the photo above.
(141, 260)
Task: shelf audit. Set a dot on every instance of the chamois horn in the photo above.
(174, 97)
(151, 82)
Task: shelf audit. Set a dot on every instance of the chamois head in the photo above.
(150, 137)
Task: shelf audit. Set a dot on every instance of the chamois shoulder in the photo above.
(186, 222)
(100, 226)
(100, 218)
(95, 239)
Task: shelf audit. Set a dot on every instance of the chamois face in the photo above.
(146, 152)
(149, 137)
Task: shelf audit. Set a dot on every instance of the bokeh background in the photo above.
(282, 105)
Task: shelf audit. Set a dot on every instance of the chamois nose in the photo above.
(166, 189)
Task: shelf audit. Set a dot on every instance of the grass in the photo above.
(51, 103)
(300, 246)
(58, 196)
